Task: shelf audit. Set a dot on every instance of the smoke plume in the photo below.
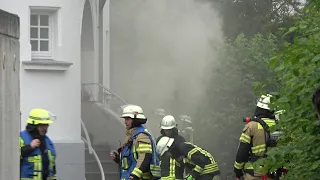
(162, 54)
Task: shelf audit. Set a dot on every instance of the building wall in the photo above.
(9, 95)
(106, 44)
(55, 84)
(58, 91)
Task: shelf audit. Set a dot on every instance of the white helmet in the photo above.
(133, 111)
(164, 144)
(264, 101)
(168, 122)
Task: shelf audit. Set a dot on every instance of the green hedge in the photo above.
(297, 70)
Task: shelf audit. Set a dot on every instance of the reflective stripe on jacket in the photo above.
(31, 166)
(201, 160)
(254, 138)
(129, 156)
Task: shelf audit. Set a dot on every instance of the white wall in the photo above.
(106, 44)
(57, 91)
(88, 61)
(60, 91)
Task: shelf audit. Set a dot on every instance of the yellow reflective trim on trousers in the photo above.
(172, 168)
(245, 138)
(137, 172)
(258, 149)
(238, 165)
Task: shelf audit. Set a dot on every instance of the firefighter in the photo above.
(253, 141)
(37, 158)
(169, 128)
(137, 158)
(202, 163)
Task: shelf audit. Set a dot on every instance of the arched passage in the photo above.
(87, 45)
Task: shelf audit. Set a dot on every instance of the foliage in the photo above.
(298, 70)
(230, 95)
(256, 16)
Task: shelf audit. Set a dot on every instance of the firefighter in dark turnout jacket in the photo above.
(169, 128)
(253, 141)
(199, 160)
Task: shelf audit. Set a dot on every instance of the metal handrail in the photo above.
(97, 159)
(108, 90)
(91, 150)
(87, 135)
(103, 95)
(90, 92)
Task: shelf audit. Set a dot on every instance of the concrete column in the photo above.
(9, 96)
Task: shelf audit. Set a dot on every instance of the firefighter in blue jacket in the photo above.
(137, 158)
(37, 158)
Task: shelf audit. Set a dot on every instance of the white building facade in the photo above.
(63, 43)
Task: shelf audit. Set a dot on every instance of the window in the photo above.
(43, 32)
(40, 35)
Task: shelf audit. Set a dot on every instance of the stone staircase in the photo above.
(105, 131)
(109, 166)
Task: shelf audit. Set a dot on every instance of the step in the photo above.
(103, 154)
(108, 166)
(97, 176)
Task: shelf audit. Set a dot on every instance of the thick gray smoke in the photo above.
(161, 52)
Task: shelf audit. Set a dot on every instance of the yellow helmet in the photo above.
(40, 116)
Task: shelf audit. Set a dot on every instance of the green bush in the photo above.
(297, 70)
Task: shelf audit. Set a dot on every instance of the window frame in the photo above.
(50, 12)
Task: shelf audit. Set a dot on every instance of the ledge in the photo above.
(47, 65)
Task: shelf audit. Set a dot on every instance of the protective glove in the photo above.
(238, 172)
(133, 177)
(189, 177)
